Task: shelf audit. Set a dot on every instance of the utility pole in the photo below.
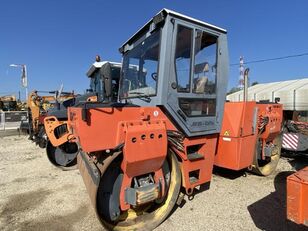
(24, 76)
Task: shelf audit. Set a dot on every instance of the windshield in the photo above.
(140, 68)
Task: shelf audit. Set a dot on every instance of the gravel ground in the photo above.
(38, 196)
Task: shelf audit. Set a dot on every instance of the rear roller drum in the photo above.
(142, 217)
(64, 156)
(265, 167)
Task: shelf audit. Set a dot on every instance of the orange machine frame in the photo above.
(113, 130)
(51, 123)
(241, 129)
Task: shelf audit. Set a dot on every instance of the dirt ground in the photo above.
(34, 195)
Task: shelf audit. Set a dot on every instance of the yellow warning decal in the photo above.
(227, 133)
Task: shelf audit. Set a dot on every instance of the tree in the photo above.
(233, 89)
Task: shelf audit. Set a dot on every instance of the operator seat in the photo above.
(200, 84)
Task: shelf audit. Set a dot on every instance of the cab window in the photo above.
(183, 58)
(204, 80)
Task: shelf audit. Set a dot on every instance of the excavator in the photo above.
(170, 126)
(38, 105)
(61, 152)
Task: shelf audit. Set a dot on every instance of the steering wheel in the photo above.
(154, 76)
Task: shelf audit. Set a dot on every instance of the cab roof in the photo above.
(98, 65)
(166, 12)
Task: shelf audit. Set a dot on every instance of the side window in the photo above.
(205, 63)
(183, 57)
(95, 84)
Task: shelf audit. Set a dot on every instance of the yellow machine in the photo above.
(8, 103)
(38, 107)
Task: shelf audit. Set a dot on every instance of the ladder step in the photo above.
(194, 156)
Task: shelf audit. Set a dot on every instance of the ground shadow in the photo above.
(228, 173)
(298, 161)
(269, 213)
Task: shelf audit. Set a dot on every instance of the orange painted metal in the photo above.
(144, 152)
(145, 147)
(37, 106)
(104, 128)
(236, 145)
(51, 123)
(297, 197)
(203, 165)
(274, 114)
(100, 129)
(243, 124)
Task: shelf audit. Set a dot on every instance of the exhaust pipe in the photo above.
(246, 84)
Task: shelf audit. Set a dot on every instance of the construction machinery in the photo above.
(8, 103)
(170, 126)
(38, 106)
(292, 94)
(60, 150)
(12, 113)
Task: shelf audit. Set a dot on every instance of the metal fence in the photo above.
(11, 120)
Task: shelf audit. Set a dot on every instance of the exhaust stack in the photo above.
(246, 84)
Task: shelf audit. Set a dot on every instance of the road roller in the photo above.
(170, 126)
(61, 152)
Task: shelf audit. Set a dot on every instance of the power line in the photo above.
(271, 59)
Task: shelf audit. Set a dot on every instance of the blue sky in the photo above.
(59, 39)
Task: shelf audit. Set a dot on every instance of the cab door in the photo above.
(193, 86)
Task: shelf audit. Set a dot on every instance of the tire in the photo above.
(67, 157)
(267, 166)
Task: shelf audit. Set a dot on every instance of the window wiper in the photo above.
(141, 95)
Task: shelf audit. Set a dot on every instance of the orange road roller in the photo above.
(170, 126)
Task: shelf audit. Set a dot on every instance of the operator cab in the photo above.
(181, 65)
(104, 80)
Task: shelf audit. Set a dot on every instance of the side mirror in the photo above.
(105, 72)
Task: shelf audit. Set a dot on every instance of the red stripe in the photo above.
(285, 145)
(290, 141)
(292, 144)
(294, 137)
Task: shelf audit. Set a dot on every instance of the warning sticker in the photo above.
(227, 133)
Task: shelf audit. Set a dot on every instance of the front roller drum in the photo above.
(64, 156)
(267, 166)
(105, 194)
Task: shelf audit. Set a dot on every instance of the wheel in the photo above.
(41, 138)
(64, 156)
(268, 165)
(142, 217)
